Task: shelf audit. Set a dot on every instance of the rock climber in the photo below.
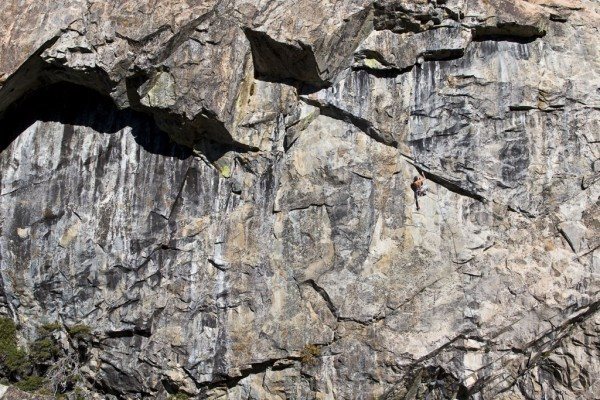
(419, 188)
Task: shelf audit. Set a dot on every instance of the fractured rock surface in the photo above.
(220, 190)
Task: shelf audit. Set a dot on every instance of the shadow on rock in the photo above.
(72, 104)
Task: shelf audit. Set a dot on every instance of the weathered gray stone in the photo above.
(220, 190)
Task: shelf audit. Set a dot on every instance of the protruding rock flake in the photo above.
(213, 200)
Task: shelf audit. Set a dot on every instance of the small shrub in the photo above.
(309, 354)
(79, 331)
(31, 383)
(79, 394)
(47, 367)
(45, 391)
(49, 328)
(14, 362)
(8, 332)
(179, 396)
(43, 350)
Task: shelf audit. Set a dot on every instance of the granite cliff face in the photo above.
(220, 191)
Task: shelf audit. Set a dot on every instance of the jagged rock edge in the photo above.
(499, 33)
(36, 74)
(535, 350)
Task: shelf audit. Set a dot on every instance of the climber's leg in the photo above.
(416, 192)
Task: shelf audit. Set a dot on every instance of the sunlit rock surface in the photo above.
(221, 191)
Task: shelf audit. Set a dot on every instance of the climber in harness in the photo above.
(419, 188)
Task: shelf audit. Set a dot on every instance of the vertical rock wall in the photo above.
(221, 192)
